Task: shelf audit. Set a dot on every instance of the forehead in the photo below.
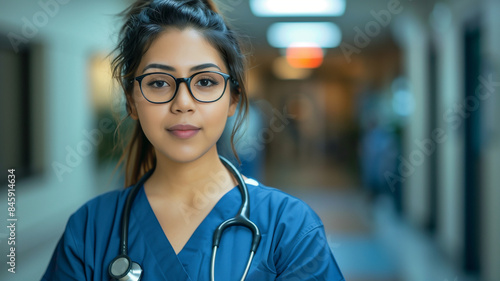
(181, 49)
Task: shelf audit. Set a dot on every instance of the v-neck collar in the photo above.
(201, 240)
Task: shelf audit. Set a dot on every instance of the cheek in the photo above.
(145, 109)
(142, 111)
(216, 116)
(150, 116)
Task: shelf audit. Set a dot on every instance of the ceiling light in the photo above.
(304, 55)
(322, 34)
(297, 8)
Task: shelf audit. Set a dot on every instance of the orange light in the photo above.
(304, 56)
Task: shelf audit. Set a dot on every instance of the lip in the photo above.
(183, 131)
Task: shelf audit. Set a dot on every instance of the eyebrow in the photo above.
(170, 68)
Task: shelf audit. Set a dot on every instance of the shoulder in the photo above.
(292, 234)
(282, 209)
(277, 198)
(100, 208)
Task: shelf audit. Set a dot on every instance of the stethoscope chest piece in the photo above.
(123, 269)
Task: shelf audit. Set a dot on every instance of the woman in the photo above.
(187, 191)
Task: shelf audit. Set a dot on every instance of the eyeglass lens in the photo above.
(206, 86)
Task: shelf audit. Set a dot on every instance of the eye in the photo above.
(158, 84)
(206, 82)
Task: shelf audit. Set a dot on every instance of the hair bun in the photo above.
(211, 5)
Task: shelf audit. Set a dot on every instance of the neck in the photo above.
(206, 177)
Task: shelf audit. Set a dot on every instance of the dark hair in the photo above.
(144, 22)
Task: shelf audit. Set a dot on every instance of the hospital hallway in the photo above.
(368, 237)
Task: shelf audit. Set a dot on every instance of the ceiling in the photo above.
(358, 13)
(237, 12)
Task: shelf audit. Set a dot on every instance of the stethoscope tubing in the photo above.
(126, 212)
(242, 218)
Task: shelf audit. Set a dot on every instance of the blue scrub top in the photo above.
(293, 244)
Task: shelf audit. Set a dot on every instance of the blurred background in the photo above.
(382, 115)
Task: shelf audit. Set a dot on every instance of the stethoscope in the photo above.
(124, 269)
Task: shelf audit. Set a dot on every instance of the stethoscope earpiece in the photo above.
(123, 269)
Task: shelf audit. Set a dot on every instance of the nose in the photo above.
(183, 101)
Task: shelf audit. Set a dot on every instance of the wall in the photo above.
(67, 33)
(491, 191)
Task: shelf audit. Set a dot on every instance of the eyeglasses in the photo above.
(205, 86)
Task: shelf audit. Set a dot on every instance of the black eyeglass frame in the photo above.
(186, 80)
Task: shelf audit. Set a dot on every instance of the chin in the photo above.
(184, 156)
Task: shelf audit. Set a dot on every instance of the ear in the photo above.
(233, 104)
(131, 109)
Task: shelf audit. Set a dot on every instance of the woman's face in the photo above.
(183, 129)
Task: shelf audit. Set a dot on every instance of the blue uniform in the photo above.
(293, 245)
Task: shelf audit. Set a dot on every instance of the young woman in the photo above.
(182, 70)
